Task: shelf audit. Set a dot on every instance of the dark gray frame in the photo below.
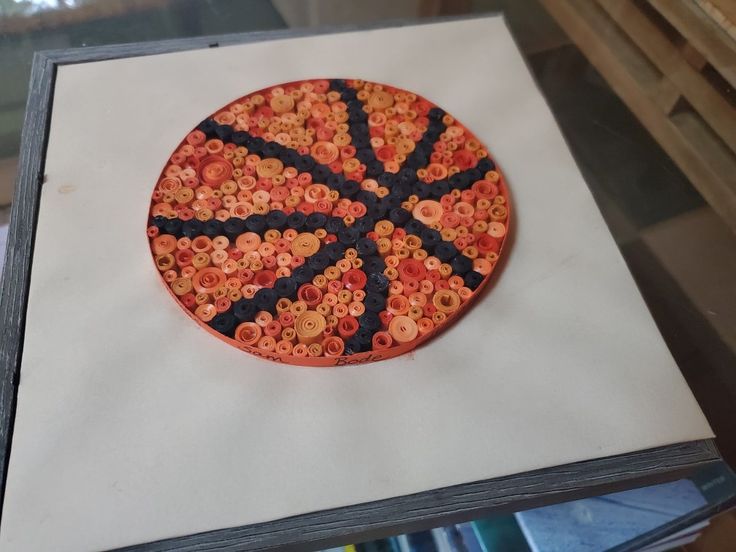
(354, 523)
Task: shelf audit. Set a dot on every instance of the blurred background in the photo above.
(643, 92)
(29, 25)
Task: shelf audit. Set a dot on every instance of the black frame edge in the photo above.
(319, 529)
(448, 505)
(19, 252)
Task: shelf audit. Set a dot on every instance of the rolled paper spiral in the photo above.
(248, 333)
(309, 327)
(333, 346)
(215, 170)
(403, 329)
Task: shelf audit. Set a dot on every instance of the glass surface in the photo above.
(679, 251)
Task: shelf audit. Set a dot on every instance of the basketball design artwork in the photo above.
(328, 222)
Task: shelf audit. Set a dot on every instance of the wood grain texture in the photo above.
(706, 100)
(19, 252)
(320, 529)
(451, 504)
(704, 33)
(708, 163)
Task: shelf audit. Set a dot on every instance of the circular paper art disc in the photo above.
(328, 222)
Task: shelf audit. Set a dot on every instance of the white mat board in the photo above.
(133, 424)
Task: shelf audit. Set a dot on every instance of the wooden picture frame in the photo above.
(354, 523)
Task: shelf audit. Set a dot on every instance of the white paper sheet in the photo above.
(133, 424)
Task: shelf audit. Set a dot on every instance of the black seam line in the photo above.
(280, 296)
(361, 234)
(213, 132)
(383, 307)
(355, 134)
(230, 311)
(366, 137)
(434, 141)
(431, 134)
(261, 233)
(280, 151)
(461, 174)
(425, 227)
(434, 135)
(225, 132)
(232, 307)
(384, 295)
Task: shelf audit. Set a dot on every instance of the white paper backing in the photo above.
(134, 424)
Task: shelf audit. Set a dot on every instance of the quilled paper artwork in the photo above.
(328, 222)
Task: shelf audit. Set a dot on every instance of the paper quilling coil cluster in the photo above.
(327, 222)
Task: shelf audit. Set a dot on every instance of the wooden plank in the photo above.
(696, 60)
(707, 37)
(716, 111)
(19, 251)
(590, 30)
(667, 95)
(444, 506)
(319, 529)
(578, 18)
(712, 150)
(726, 7)
(715, 12)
